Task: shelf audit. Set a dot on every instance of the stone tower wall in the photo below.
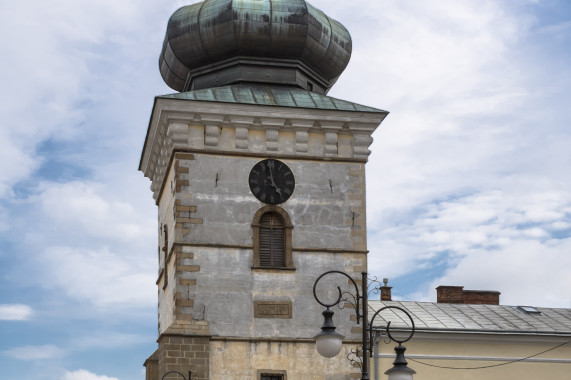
(215, 309)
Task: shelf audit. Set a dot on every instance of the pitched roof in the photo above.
(431, 316)
(271, 96)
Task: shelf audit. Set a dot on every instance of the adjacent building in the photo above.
(468, 335)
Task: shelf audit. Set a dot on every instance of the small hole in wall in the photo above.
(310, 86)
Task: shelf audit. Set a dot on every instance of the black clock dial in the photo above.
(271, 181)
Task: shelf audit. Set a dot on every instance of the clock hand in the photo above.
(273, 182)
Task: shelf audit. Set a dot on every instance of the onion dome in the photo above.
(277, 42)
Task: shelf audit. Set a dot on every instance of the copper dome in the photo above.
(279, 42)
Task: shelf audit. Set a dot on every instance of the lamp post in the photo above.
(329, 342)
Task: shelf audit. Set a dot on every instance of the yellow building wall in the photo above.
(480, 353)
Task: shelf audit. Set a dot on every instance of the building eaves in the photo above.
(271, 96)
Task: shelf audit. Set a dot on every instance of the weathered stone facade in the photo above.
(220, 315)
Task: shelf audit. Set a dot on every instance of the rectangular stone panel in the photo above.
(272, 309)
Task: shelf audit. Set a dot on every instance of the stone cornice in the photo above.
(246, 129)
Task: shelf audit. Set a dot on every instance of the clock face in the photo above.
(271, 181)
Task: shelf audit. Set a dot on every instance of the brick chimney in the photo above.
(457, 294)
(450, 294)
(386, 291)
(482, 297)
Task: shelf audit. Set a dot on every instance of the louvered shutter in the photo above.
(272, 240)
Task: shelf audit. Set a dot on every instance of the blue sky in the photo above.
(469, 182)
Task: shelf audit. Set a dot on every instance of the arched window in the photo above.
(272, 238)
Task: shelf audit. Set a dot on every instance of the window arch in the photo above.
(272, 238)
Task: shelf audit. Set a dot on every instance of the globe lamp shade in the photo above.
(328, 343)
(400, 370)
(400, 375)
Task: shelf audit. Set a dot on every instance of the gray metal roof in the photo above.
(271, 96)
(473, 318)
(218, 42)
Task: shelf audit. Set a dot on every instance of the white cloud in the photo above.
(34, 352)
(495, 239)
(85, 375)
(525, 272)
(422, 53)
(100, 277)
(474, 156)
(109, 340)
(95, 209)
(92, 244)
(15, 312)
(55, 71)
(448, 85)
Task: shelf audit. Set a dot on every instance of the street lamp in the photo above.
(329, 341)
(400, 370)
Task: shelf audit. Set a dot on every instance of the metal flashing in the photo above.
(271, 96)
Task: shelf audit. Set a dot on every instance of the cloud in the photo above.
(85, 375)
(107, 340)
(90, 243)
(34, 352)
(57, 72)
(94, 209)
(419, 54)
(73, 74)
(15, 312)
(100, 277)
(462, 165)
(525, 272)
(105, 263)
(510, 241)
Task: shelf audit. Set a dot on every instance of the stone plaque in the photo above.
(272, 309)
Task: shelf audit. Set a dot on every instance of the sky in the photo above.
(468, 183)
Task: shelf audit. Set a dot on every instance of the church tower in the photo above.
(259, 179)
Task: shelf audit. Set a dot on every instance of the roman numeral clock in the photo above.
(271, 181)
